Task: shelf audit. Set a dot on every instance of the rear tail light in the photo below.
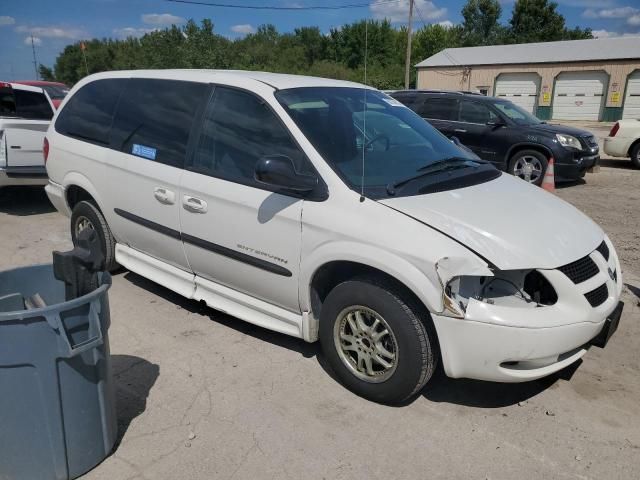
(45, 150)
(614, 130)
(5, 85)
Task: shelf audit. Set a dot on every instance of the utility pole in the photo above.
(407, 64)
(35, 62)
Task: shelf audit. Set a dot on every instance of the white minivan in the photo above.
(328, 211)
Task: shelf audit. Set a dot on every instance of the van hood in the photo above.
(509, 222)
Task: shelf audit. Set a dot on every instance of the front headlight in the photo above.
(513, 288)
(568, 141)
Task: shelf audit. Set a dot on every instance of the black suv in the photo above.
(505, 134)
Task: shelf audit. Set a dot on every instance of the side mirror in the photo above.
(496, 123)
(279, 171)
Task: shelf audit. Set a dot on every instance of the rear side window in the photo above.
(155, 117)
(439, 109)
(238, 130)
(473, 112)
(7, 102)
(88, 114)
(410, 100)
(25, 104)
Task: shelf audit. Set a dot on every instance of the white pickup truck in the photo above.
(25, 114)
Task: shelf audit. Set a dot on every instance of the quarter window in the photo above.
(155, 117)
(238, 130)
(88, 114)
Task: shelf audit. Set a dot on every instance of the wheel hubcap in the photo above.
(366, 344)
(528, 168)
(83, 223)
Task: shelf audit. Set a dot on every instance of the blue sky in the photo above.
(56, 23)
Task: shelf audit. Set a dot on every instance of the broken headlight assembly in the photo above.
(513, 288)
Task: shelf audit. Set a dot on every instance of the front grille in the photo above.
(598, 296)
(604, 250)
(580, 270)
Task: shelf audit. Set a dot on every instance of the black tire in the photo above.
(542, 159)
(87, 210)
(634, 153)
(415, 337)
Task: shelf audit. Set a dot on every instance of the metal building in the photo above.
(596, 79)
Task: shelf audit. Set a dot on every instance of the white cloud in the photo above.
(162, 19)
(53, 32)
(245, 29)
(620, 12)
(399, 11)
(5, 20)
(126, 32)
(37, 41)
(604, 34)
(446, 23)
(634, 19)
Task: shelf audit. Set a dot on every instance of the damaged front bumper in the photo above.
(501, 341)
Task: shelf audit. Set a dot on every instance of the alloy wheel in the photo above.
(366, 344)
(528, 168)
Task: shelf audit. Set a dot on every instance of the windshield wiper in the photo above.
(450, 163)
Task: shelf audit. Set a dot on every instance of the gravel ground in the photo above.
(202, 395)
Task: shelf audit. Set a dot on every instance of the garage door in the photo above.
(632, 97)
(579, 95)
(520, 88)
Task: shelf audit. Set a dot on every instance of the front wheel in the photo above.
(529, 165)
(86, 215)
(376, 342)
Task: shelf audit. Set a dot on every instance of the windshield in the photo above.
(56, 92)
(518, 114)
(390, 140)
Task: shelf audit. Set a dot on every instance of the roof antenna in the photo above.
(364, 117)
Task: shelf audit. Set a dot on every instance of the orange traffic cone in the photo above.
(549, 181)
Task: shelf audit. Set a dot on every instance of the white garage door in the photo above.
(632, 98)
(520, 88)
(579, 95)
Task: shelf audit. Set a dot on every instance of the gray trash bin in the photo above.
(57, 403)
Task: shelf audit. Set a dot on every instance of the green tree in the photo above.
(481, 23)
(539, 21)
(431, 39)
(46, 73)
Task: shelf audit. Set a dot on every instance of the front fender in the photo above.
(423, 282)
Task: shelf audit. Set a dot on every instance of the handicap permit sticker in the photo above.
(144, 151)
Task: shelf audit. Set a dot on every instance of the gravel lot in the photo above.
(202, 395)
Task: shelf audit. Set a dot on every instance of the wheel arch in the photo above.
(77, 188)
(323, 272)
(633, 144)
(518, 147)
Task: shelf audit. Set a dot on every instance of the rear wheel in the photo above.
(376, 342)
(86, 215)
(635, 155)
(529, 165)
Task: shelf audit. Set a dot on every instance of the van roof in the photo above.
(278, 81)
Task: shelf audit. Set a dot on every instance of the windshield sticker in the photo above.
(393, 102)
(144, 151)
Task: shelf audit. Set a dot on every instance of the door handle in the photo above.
(460, 130)
(16, 147)
(164, 196)
(193, 204)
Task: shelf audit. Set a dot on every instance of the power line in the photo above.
(291, 8)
